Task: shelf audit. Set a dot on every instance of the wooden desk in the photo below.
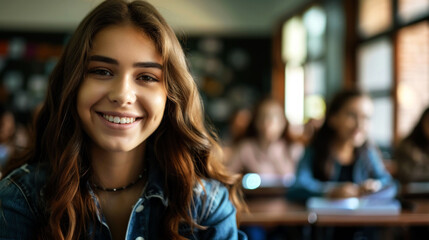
(266, 192)
(277, 211)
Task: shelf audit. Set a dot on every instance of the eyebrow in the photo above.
(99, 58)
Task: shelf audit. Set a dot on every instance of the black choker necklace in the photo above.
(120, 188)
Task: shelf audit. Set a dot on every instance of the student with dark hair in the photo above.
(268, 148)
(412, 153)
(340, 162)
(121, 149)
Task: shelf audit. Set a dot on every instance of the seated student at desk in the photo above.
(412, 153)
(267, 150)
(340, 162)
(412, 158)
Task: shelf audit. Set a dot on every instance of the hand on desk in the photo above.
(370, 186)
(345, 190)
(349, 189)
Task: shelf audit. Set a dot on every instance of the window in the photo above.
(374, 16)
(392, 59)
(302, 57)
(375, 77)
(413, 74)
(411, 9)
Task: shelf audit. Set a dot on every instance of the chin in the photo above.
(118, 147)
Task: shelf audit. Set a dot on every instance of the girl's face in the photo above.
(270, 122)
(122, 98)
(351, 122)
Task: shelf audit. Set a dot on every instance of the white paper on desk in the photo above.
(359, 206)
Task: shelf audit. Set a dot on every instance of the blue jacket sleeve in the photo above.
(17, 220)
(219, 215)
(389, 186)
(379, 171)
(305, 185)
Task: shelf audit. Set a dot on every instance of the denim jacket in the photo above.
(21, 209)
(368, 164)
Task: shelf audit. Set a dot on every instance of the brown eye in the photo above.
(147, 78)
(101, 72)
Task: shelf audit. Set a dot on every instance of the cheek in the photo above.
(346, 129)
(341, 123)
(83, 99)
(155, 104)
(86, 97)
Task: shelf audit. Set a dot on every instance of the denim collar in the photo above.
(155, 182)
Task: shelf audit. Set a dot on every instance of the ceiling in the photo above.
(193, 17)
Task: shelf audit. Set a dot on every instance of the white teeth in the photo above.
(118, 120)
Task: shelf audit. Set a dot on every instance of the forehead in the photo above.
(270, 106)
(362, 103)
(124, 38)
(270, 110)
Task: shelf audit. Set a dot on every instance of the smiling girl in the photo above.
(120, 149)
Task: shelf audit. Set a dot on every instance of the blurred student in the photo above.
(412, 153)
(268, 149)
(340, 162)
(238, 124)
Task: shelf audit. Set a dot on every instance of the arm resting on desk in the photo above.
(368, 166)
(306, 185)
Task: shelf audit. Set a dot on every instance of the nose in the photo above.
(122, 92)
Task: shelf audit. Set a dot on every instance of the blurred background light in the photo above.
(251, 181)
(294, 94)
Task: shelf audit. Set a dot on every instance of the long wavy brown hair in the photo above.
(193, 152)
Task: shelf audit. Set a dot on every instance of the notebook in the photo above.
(358, 206)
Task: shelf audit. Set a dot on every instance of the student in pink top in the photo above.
(268, 149)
